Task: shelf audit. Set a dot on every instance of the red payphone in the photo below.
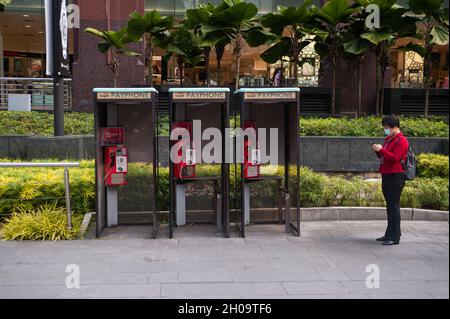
(184, 166)
(115, 156)
(116, 165)
(252, 154)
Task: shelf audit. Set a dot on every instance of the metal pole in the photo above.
(67, 191)
(58, 105)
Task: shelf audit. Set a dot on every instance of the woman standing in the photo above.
(392, 155)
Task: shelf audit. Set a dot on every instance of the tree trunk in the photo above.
(377, 84)
(181, 68)
(296, 53)
(427, 78)
(358, 114)
(238, 70)
(149, 60)
(208, 76)
(427, 98)
(114, 65)
(333, 96)
(383, 75)
(238, 51)
(219, 55)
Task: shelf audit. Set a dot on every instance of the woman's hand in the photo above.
(377, 147)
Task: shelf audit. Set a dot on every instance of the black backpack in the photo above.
(409, 166)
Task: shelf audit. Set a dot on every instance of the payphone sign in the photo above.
(199, 96)
(124, 96)
(270, 96)
(113, 135)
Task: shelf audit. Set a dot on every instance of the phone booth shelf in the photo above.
(271, 108)
(211, 106)
(125, 132)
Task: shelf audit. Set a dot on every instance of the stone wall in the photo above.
(328, 154)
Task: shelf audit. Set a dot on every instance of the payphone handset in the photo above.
(252, 154)
(184, 167)
(116, 165)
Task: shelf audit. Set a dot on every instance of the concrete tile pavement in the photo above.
(328, 261)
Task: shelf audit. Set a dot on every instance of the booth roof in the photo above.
(128, 90)
(251, 90)
(175, 90)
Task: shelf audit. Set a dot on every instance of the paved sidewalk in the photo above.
(329, 261)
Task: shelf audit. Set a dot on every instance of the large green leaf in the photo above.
(152, 18)
(95, 32)
(427, 7)
(257, 36)
(440, 35)
(278, 50)
(414, 47)
(103, 46)
(384, 5)
(377, 37)
(357, 46)
(321, 49)
(275, 22)
(239, 14)
(136, 26)
(198, 16)
(335, 11)
(320, 33)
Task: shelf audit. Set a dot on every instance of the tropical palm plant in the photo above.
(236, 20)
(114, 43)
(184, 46)
(432, 29)
(393, 25)
(4, 3)
(356, 49)
(153, 28)
(293, 21)
(332, 20)
(196, 18)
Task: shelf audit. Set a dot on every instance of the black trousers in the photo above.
(392, 185)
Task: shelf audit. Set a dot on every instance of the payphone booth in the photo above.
(277, 110)
(126, 157)
(191, 111)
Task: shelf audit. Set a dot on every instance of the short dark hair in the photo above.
(391, 121)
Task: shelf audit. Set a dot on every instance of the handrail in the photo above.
(38, 90)
(30, 79)
(66, 181)
(40, 165)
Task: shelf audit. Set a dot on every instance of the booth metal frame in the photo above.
(192, 97)
(250, 96)
(105, 115)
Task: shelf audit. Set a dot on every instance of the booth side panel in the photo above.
(100, 217)
(294, 165)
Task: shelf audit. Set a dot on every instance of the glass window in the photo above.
(165, 7)
(22, 36)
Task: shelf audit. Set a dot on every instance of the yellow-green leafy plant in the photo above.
(433, 165)
(47, 222)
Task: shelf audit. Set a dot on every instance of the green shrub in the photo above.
(33, 187)
(29, 188)
(431, 193)
(371, 126)
(39, 123)
(43, 223)
(432, 165)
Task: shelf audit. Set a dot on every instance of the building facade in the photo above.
(22, 54)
